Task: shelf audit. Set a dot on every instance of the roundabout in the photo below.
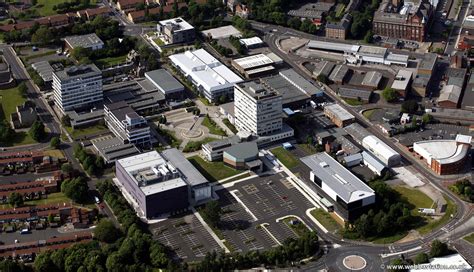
(354, 262)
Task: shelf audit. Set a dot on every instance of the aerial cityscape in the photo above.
(209, 135)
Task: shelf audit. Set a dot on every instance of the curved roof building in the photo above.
(381, 150)
(445, 156)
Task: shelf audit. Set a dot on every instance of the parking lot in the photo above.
(186, 236)
(263, 200)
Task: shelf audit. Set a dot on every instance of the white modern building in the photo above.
(350, 195)
(257, 110)
(210, 77)
(77, 87)
(251, 42)
(445, 156)
(381, 151)
(126, 124)
(176, 30)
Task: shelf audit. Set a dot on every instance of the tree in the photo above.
(323, 78)
(397, 264)
(6, 132)
(309, 140)
(438, 249)
(409, 106)
(15, 199)
(422, 258)
(427, 118)
(43, 263)
(23, 89)
(212, 213)
(389, 94)
(76, 189)
(106, 232)
(67, 168)
(37, 131)
(66, 120)
(55, 142)
(42, 36)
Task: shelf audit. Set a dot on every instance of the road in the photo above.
(272, 34)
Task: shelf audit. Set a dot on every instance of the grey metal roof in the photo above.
(468, 97)
(223, 143)
(353, 93)
(300, 82)
(339, 111)
(242, 151)
(288, 92)
(332, 46)
(345, 184)
(113, 149)
(164, 80)
(428, 61)
(85, 41)
(44, 69)
(191, 175)
(357, 132)
(352, 158)
(372, 79)
(373, 161)
(323, 68)
(339, 73)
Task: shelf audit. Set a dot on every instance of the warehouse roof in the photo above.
(253, 61)
(205, 70)
(114, 148)
(300, 82)
(373, 161)
(339, 111)
(84, 41)
(402, 79)
(450, 93)
(339, 73)
(372, 79)
(332, 46)
(354, 93)
(222, 32)
(357, 132)
(164, 81)
(382, 148)
(445, 151)
(323, 68)
(251, 41)
(345, 184)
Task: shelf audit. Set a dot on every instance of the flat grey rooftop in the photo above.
(164, 80)
(191, 175)
(345, 184)
(75, 72)
(243, 151)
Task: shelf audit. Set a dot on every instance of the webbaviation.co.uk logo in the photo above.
(425, 267)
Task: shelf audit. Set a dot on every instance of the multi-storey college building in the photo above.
(403, 19)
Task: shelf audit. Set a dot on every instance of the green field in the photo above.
(158, 41)
(213, 127)
(213, 171)
(10, 98)
(368, 113)
(79, 132)
(326, 220)
(470, 238)
(51, 199)
(110, 61)
(45, 7)
(353, 102)
(300, 229)
(414, 196)
(285, 157)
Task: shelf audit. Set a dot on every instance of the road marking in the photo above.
(233, 193)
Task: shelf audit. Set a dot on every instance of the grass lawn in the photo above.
(470, 238)
(368, 113)
(285, 157)
(78, 132)
(54, 153)
(45, 7)
(110, 61)
(10, 98)
(450, 209)
(389, 239)
(309, 149)
(192, 146)
(52, 198)
(299, 228)
(353, 102)
(22, 138)
(159, 42)
(229, 125)
(213, 127)
(415, 197)
(213, 171)
(326, 220)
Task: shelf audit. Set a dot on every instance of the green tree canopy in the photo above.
(42, 36)
(106, 232)
(212, 213)
(15, 199)
(76, 189)
(37, 131)
(389, 94)
(55, 142)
